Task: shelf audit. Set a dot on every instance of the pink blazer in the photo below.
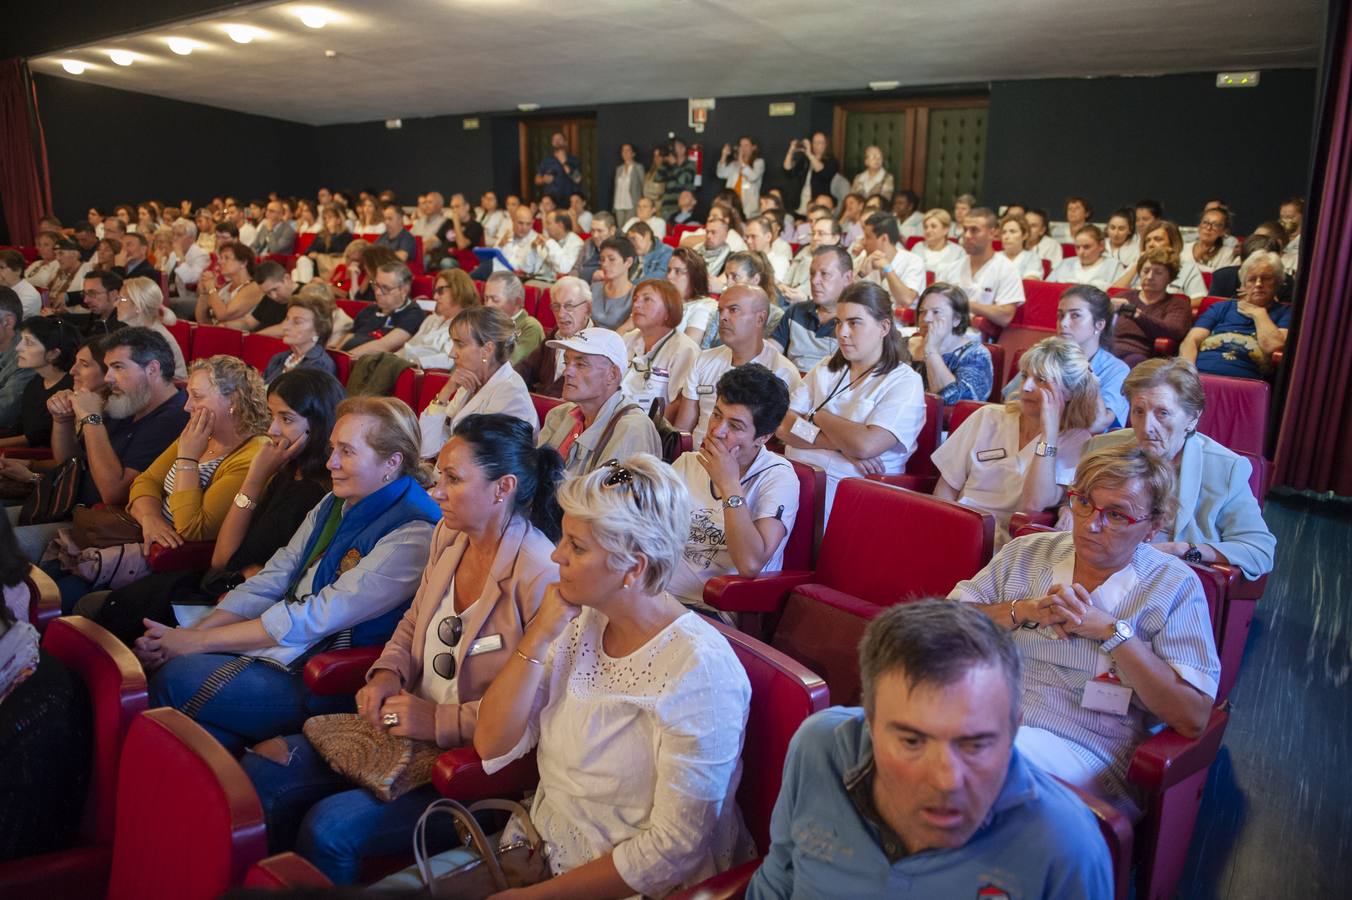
(511, 596)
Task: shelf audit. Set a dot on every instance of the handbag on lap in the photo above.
(386, 765)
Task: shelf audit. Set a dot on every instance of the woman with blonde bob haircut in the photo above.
(1020, 457)
(636, 706)
(141, 304)
(344, 579)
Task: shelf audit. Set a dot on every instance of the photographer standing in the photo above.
(742, 170)
(812, 167)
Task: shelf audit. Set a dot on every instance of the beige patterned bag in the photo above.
(386, 765)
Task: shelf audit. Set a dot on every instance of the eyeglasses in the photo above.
(1082, 507)
(619, 476)
(383, 289)
(449, 632)
(559, 307)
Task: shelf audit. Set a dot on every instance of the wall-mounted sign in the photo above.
(699, 113)
(471, 124)
(783, 109)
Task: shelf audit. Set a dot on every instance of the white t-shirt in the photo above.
(659, 372)
(700, 313)
(770, 489)
(640, 756)
(983, 460)
(658, 225)
(29, 298)
(907, 266)
(1226, 256)
(1028, 264)
(432, 686)
(560, 256)
(1189, 281)
(1127, 254)
(938, 260)
(702, 382)
(430, 347)
(996, 284)
(895, 401)
(1049, 249)
(1101, 274)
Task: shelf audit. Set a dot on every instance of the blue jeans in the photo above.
(72, 587)
(330, 822)
(260, 702)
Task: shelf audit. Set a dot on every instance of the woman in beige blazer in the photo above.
(485, 578)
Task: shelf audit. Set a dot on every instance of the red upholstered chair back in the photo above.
(303, 242)
(182, 331)
(884, 543)
(408, 385)
(532, 299)
(1208, 302)
(117, 694)
(422, 286)
(543, 405)
(342, 365)
(928, 439)
(821, 628)
(1040, 300)
(783, 694)
(216, 340)
(432, 383)
(259, 348)
(352, 307)
(961, 410)
(800, 551)
(997, 353)
(545, 313)
(189, 824)
(1236, 412)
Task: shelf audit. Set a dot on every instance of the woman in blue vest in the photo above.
(344, 579)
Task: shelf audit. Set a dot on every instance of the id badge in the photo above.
(1107, 695)
(990, 455)
(486, 644)
(704, 390)
(804, 430)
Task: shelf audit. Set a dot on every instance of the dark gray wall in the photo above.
(1178, 139)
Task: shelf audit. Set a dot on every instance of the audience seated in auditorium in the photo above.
(936, 250)
(394, 236)
(1014, 236)
(595, 422)
(504, 292)
(522, 246)
(1103, 607)
(1225, 282)
(13, 378)
(1082, 315)
(106, 252)
(11, 276)
(588, 263)
(952, 365)
(716, 242)
(494, 219)
(660, 355)
(1292, 217)
(487, 573)
(46, 727)
(431, 216)
(1151, 311)
(482, 380)
(1218, 518)
(742, 171)
(807, 332)
(187, 262)
(102, 290)
(930, 763)
(140, 304)
(228, 303)
(760, 238)
(310, 594)
(1079, 213)
(889, 263)
(277, 287)
(745, 496)
(1210, 251)
(742, 312)
(275, 234)
(1091, 263)
(1187, 280)
(40, 272)
(331, 241)
(430, 347)
(561, 248)
(654, 255)
(46, 346)
(305, 331)
(686, 271)
(992, 283)
(386, 325)
(874, 179)
(859, 411)
(1122, 244)
(635, 706)
(750, 268)
(350, 277)
(570, 302)
(284, 481)
(1238, 337)
(1039, 241)
(647, 214)
(63, 293)
(612, 294)
(1020, 456)
(796, 284)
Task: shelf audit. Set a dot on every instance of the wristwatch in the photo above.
(92, 419)
(1194, 554)
(734, 501)
(1123, 632)
(244, 501)
(1042, 448)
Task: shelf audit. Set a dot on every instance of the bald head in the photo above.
(742, 313)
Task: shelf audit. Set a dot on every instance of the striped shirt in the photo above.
(1161, 598)
(205, 469)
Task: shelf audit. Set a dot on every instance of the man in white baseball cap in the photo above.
(594, 423)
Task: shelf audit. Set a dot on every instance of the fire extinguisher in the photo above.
(696, 156)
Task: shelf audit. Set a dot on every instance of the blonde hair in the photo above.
(1119, 464)
(241, 384)
(1064, 364)
(483, 324)
(941, 215)
(1159, 256)
(395, 431)
(148, 300)
(463, 293)
(649, 515)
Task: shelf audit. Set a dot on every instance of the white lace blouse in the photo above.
(639, 756)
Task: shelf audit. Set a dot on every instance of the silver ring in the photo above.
(390, 719)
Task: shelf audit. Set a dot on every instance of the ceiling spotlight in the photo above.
(241, 34)
(313, 16)
(528, 107)
(181, 46)
(884, 85)
(73, 66)
(330, 54)
(122, 57)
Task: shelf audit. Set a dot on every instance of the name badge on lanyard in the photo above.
(1106, 694)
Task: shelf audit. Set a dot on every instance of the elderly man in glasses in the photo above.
(571, 302)
(1115, 636)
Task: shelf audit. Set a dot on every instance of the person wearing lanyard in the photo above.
(660, 356)
(860, 411)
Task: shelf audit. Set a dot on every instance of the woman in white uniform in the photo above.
(936, 249)
(660, 356)
(1014, 234)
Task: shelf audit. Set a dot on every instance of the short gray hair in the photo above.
(1262, 258)
(571, 284)
(512, 286)
(648, 514)
(935, 642)
(186, 226)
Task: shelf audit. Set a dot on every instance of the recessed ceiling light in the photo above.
(330, 54)
(122, 57)
(242, 34)
(313, 16)
(528, 107)
(181, 46)
(884, 85)
(73, 66)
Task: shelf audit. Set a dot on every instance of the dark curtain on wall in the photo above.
(24, 184)
(1316, 430)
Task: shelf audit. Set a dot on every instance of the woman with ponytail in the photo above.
(485, 579)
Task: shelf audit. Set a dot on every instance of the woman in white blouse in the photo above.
(1210, 251)
(859, 411)
(483, 381)
(660, 355)
(637, 707)
(42, 270)
(874, 180)
(936, 249)
(742, 170)
(1014, 234)
(430, 346)
(1122, 243)
(1019, 457)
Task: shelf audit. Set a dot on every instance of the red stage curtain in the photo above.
(24, 185)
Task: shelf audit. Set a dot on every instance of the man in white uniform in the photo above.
(889, 263)
(993, 286)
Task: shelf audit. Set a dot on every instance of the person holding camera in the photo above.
(810, 164)
(742, 170)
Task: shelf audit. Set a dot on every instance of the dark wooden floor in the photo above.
(1276, 820)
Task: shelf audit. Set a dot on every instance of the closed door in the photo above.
(536, 136)
(884, 130)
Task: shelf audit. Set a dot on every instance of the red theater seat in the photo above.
(543, 405)
(342, 363)
(259, 349)
(920, 474)
(189, 824)
(431, 385)
(182, 330)
(303, 242)
(44, 603)
(1236, 412)
(423, 286)
(216, 340)
(352, 307)
(408, 385)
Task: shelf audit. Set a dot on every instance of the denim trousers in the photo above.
(332, 823)
(261, 702)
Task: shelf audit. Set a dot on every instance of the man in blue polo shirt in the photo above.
(807, 331)
(394, 236)
(921, 793)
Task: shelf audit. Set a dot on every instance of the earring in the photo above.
(386, 478)
(497, 499)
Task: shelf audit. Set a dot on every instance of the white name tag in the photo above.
(804, 430)
(704, 389)
(990, 455)
(487, 645)
(1106, 696)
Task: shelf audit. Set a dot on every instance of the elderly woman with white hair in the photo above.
(141, 304)
(1238, 337)
(1115, 636)
(636, 706)
(1019, 457)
